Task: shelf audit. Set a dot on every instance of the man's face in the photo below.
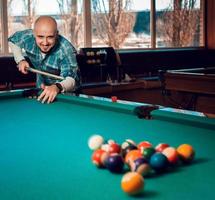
(45, 37)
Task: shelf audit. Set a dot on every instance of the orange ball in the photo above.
(132, 183)
(186, 152)
(132, 155)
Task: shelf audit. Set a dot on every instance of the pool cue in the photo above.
(44, 73)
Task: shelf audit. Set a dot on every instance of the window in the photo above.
(179, 23)
(122, 24)
(118, 23)
(129, 23)
(68, 14)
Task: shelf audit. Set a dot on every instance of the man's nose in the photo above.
(45, 41)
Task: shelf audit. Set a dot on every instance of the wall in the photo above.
(210, 6)
(141, 62)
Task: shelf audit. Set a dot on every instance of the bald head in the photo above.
(45, 33)
(45, 21)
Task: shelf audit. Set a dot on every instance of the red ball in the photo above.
(160, 147)
(143, 145)
(114, 98)
(99, 156)
(114, 148)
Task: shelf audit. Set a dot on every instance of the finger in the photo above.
(45, 98)
(41, 96)
(52, 98)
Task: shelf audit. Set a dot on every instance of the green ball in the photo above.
(148, 152)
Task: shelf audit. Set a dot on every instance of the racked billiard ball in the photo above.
(127, 146)
(161, 146)
(144, 144)
(186, 152)
(99, 157)
(171, 154)
(114, 163)
(95, 142)
(141, 166)
(132, 183)
(158, 162)
(147, 152)
(114, 148)
(132, 155)
(128, 142)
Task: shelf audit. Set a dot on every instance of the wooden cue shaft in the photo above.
(45, 73)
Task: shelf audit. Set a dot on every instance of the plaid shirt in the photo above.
(61, 60)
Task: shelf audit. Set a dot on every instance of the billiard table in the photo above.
(192, 89)
(44, 152)
(196, 80)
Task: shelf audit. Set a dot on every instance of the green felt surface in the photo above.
(44, 152)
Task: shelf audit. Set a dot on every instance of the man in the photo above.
(48, 51)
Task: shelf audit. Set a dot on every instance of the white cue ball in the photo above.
(95, 142)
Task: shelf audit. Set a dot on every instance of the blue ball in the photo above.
(158, 161)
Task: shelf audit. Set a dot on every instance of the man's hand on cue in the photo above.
(23, 66)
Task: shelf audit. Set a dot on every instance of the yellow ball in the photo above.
(95, 142)
(186, 152)
(132, 183)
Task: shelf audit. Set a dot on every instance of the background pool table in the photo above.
(197, 80)
(192, 89)
(44, 152)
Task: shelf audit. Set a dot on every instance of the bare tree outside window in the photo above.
(112, 21)
(68, 14)
(31, 17)
(179, 25)
(72, 20)
(24, 19)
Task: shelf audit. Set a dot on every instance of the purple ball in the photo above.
(114, 163)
